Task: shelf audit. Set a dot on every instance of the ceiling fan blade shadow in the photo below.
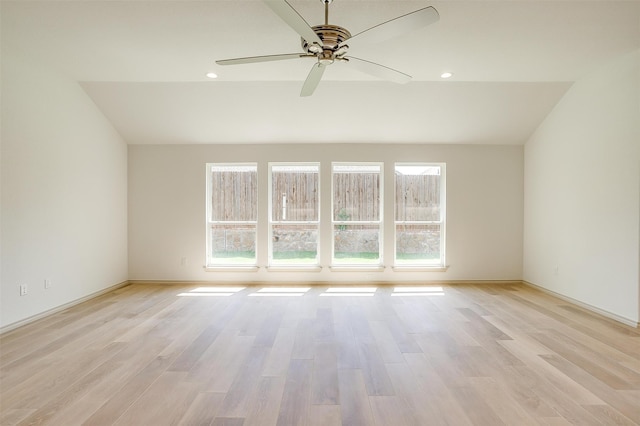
(313, 79)
(292, 18)
(378, 70)
(267, 58)
(398, 26)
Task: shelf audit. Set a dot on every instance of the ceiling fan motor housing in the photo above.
(332, 37)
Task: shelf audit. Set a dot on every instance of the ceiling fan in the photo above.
(328, 43)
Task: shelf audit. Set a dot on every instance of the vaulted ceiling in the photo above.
(144, 64)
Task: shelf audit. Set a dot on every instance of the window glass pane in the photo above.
(356, 192)
(294, 193)
(418, 244)
(234, 192)
(233, 244)
(356, 244)
(417, 193)
(295, 244)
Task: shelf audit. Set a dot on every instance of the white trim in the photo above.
(231, 268)
(419, 268)
(34, 318)
(594, 309)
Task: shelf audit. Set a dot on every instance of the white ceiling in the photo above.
(143, 63)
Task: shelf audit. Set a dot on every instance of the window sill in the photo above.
(231, 268)
(418, 268)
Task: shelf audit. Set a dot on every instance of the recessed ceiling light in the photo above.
(212, 75)
(446, 75)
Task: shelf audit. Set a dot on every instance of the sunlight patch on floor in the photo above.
(281, 291)
(418, 291)
(212, 292)
(349, 292)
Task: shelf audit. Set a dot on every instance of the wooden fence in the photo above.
(234, 195)
(295, 196)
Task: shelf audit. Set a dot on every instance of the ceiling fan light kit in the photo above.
(327, 43)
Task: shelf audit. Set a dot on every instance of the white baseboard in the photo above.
(320, 283)
(60, 308)
(594, 309)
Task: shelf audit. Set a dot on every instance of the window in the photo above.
(419, 214)
(357, 214)
(295, 214)
(232, 211)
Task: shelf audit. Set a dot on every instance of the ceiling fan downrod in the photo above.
(326, 10)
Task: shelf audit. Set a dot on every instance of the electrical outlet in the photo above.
(184, 262)
(23, 289)
(47, 284)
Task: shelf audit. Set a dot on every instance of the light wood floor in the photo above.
(483, 354)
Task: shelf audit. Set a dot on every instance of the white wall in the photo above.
(167, 209)
(64, 194)
(582, 193)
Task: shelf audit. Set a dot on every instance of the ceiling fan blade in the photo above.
(314, 77)
(378, 70)
(267, 58)
(289, 15)
(398, 26)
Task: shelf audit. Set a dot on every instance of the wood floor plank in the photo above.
(277, 363)
(499, 399)
(221, 374)
(295, 399)
(626, 404)
(562, 382)
(303, 345)
(324, 383)
(354, 401)
(476, 407)
(14, 416)
(596, 369)
(46, 384)
(203, 409)
(374, 370)
(608, 416)
(430, 397)
(403, 339)
(227, 421)
(388, 346)
(324, 415)
(391, 411)
(266, 334)
(244, 384)
(323, 326)
(347, 346)
(165, 402)
(264, 405)
(120, 401)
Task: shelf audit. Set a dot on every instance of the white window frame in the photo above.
(379, 222)
(209, 222)
(272, 222)
(441, 222)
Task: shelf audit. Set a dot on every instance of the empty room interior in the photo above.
(315, 212)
